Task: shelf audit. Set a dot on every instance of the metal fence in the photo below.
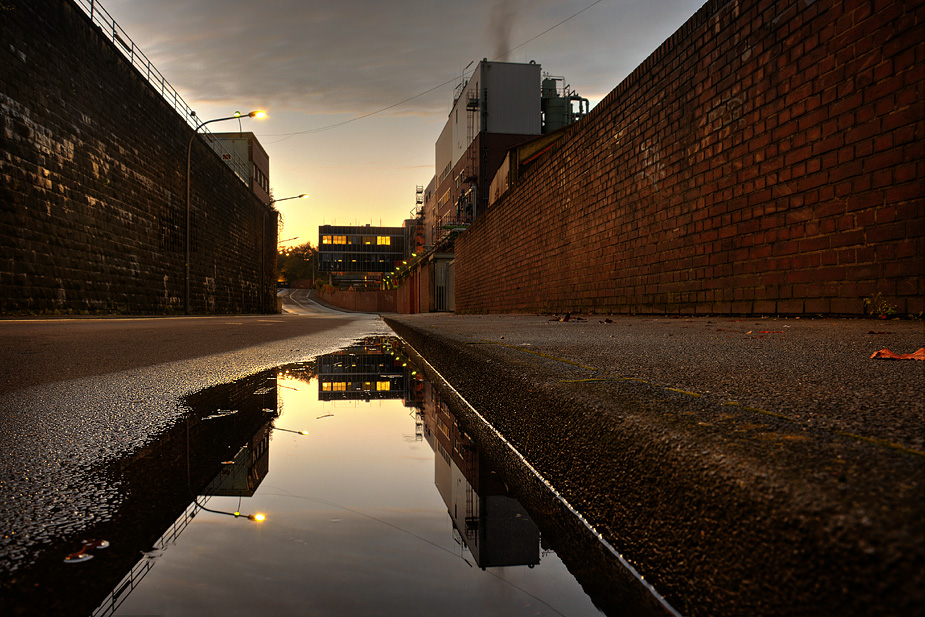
(133, 578)
(112, 31)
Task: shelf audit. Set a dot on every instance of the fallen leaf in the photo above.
(886, 354)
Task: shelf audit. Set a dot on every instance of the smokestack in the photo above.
(500, 26)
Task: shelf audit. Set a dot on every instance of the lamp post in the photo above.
(302, 196)
(189, 150)
(259, 518)
(263, 252)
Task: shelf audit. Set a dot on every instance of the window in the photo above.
(340, 239)
(383, 240)
(325, 239)
(383, 386)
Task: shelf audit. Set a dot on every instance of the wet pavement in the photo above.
(743, 466)
(739, 466)
(381, 507)
(84, 396)
(342, 484)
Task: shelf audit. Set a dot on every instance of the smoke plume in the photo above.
(500, 26)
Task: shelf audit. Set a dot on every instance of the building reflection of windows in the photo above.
(370, 369)
(486, 518)
(239, 414)
(242, 475)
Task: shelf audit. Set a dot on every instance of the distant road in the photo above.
(40, 350)
(299, 302)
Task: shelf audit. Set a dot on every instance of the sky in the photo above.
(357, 91)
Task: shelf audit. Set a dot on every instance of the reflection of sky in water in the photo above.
(355, 526)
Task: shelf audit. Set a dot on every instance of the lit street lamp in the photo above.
(253, 517)
(189, 150)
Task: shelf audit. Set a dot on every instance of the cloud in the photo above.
(349, 58)
(319, 64)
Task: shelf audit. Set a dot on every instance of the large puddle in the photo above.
(343, 486)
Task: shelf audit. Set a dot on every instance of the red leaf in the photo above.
(886, 354)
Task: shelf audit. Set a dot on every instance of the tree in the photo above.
(298, 263)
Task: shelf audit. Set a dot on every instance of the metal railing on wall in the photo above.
(141, 568)
(123, 42)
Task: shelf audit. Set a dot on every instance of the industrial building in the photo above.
(358, 257)
(244, 154)
(502, 105)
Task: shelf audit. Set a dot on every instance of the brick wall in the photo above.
(363, 301)
(767, 158)
(93, 184)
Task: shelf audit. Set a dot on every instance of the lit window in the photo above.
(325, 239)
(383, 386)
(340, 239)
(383, 240)
(326, 386)
(340, 386)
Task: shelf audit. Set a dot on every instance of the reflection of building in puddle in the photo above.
(226, 418)
(241, 476)
(493, 525)
(374, 368)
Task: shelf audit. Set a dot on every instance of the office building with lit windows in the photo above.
(358, 257)
(369, 369)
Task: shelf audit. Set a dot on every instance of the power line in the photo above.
(328, 127)
(570, 17)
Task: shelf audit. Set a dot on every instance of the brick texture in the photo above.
(767, 158)
(93, 184)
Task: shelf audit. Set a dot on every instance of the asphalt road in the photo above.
(46, 350)
(744, 466)
(80, 395)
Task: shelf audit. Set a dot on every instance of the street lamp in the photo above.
(289, 430)
(252, 517)
(189, 149)
(264, 233)
(302, 196)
